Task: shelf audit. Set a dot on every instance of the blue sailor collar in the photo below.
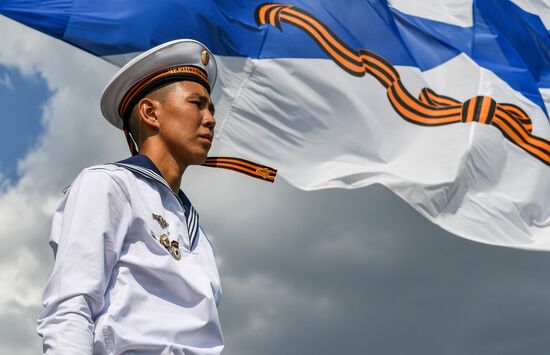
(141, 164)
(141, 161)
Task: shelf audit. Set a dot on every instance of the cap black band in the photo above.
(155, 85)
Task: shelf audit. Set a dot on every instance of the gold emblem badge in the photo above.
(205, 57)
(175, 253)
(175, 250)
(164, 241)
(173, 246)
(161, 221)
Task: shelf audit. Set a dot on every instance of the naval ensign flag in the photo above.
(444, 102)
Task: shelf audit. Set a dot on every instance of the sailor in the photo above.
(134, 272)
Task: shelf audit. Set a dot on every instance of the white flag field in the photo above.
(444, 102)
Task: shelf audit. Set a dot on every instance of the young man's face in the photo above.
(186, 122)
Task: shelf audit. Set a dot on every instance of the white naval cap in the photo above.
(182, 59)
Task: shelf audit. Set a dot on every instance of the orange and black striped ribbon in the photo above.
(242, 166)
(429, 109)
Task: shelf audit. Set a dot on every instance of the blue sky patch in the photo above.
(21, 98)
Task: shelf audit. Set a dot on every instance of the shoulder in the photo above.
(102, 178)
(112, 169)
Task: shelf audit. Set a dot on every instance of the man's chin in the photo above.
(194, 157)
(200, 158)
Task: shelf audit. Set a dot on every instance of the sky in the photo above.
(28, 110)
(324, 272)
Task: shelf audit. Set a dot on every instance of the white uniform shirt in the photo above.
(114, 288)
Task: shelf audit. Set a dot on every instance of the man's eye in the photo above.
(203, 104)
(199, 104)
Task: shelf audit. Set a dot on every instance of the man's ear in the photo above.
(147, 110)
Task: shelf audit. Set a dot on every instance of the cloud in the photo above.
(5, 81)
(358, 271)
(75, 136)
(4, 181)
(326, 272)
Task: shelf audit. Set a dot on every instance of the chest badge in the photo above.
(164, 241)
(175, 250)
(161, 221)
(171, 245)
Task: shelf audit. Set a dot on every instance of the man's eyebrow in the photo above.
(199, 96)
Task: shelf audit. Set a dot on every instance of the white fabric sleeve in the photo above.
(88, 231)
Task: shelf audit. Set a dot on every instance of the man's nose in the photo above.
(209, 120)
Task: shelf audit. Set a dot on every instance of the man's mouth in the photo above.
(209, 137)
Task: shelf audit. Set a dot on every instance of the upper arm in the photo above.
(89, 231)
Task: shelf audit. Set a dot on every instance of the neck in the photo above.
(169, 167)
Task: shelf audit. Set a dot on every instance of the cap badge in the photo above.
(205, 57)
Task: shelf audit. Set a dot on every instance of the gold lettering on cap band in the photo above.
(138, 87)
(189, 70)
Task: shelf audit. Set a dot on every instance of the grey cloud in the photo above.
(14, 324)
(359, 272)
